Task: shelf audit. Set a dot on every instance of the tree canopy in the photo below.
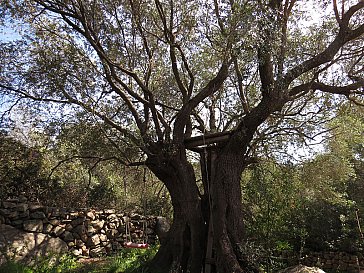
(159, 73)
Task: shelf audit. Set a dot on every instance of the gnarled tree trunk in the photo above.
(226, 191)
(184, 247)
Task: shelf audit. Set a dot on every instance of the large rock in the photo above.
(24, 247)
(302, 269)
(162, 228)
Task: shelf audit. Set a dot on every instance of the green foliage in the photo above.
(20, 168)
(49, 264)
(270, 192)
(14, 267)
(295, 206)
(131, 260)
(126, 261)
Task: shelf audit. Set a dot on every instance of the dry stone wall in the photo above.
(87, 232)
(335, 261)
(328, 261)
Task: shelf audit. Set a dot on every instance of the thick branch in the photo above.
(345, 35)
(210, 88)
(346, 90)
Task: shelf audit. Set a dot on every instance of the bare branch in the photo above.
(337, 16)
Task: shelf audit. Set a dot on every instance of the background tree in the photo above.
(158, 72)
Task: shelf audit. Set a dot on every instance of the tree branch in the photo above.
(344, 35)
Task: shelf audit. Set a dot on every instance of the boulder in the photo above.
(22, 246)
(302, 269)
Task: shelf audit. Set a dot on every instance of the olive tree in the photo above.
(179, 75)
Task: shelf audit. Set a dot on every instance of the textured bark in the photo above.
(227, 213)
(184, 247)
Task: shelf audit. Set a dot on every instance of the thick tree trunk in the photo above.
(227, 196)
(228, 225)
(184, 247)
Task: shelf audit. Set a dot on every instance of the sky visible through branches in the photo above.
(312, 13)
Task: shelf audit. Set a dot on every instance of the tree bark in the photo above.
(184, 247)
(227, 212)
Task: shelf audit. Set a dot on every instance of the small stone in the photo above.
(103, 237)
(85, 251)
(17, 223)
(8, 205)
(91, 215)
(37, 215)
(55, 212)
(24, 214)
(74, 215)
(58, 230)
(113, 218)
(109, 211)
(22, 207)
(93, 241)
(77, 252)
(36, 207)
(112, 225)
(71, 244)
(55, 222)
(96, 252)
(14, 215)
(90, 230)
(69, 227)
(22, 199)
(112, 233)
(33, 225)
(79, 243)
(84, 238)
(67, 236)
(5, 212)
(77, 221)
(98, 224)
(47, 228)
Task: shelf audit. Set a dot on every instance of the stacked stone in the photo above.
(87, 232)
(338, 261)
(330, 261)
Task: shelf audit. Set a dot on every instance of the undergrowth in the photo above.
(125, 261)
